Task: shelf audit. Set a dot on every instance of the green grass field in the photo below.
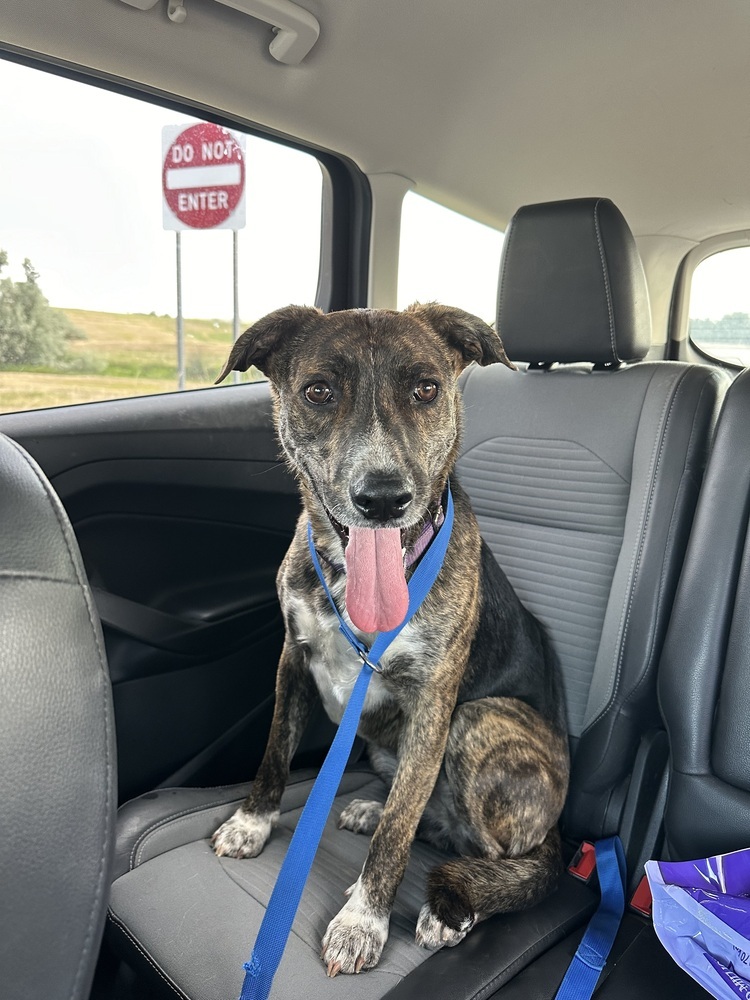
(121, 356)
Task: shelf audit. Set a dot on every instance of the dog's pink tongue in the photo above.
(377, 597)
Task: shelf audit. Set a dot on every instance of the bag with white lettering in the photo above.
(701, 912)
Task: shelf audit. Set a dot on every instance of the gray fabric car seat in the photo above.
(704, 693)
(584, 477)
(57, 755)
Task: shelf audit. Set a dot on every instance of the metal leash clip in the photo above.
(359, 648)
(362, 653)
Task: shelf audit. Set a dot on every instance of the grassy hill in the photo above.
(122, 355)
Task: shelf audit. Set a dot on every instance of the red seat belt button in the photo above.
(583, 864)
(641, 899)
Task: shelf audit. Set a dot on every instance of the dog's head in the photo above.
(367, 407)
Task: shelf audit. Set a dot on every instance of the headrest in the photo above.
(572, 286)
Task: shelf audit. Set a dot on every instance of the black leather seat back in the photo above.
(57, 755)
(704, 679)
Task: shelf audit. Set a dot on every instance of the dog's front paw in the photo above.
(355, 937)
(361, 816)
(244, 835)
(433, 933)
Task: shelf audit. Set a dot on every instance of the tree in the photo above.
(733, 328)
(32, 333)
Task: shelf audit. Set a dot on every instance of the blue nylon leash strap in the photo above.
(287, 892)
(583, 972)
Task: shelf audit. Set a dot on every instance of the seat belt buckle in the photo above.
(640, 901)
(583, 864)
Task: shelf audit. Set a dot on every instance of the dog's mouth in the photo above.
(377, 596)
(342, 530)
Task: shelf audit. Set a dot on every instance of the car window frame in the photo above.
(681, 346)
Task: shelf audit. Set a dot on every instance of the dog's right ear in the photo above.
(467, 334)
(264, 337)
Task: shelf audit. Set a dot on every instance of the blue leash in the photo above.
(287, 892)
(583, 972)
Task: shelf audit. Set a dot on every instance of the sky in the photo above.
(81, 196)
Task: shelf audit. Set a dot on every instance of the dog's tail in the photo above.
(464, 891)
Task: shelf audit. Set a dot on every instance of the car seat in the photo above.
(57, 776)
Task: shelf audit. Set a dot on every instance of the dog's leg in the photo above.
(508, 772)
(245, 834)
(355, 938)
(363, 815)
(460, 893)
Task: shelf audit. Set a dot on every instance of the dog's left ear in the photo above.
(468, 334)
(257, 344)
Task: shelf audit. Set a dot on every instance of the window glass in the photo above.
(720, 306)
(446, 257)
(88, 299)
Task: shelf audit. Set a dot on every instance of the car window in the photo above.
(98, 189)
(447, 257)
(719, 314)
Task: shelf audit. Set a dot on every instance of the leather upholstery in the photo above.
(705, 700)
(704, 680)
(57, 756)
(572, 286)
(217, 904)
(633, 440)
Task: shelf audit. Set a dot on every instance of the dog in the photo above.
(466, 721)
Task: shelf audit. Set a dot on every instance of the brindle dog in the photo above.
(465, 722)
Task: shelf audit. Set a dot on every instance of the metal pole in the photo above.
(235, 279)
(180, 328)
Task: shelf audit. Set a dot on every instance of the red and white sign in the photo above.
(203, 177)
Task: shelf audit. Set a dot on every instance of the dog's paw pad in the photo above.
(244, 835)
(433, 933)
(361, 816)
(355, 938)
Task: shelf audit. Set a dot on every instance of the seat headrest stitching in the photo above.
(605, 278)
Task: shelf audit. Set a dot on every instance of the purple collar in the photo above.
(425, 537)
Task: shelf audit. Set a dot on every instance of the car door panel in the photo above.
(183, 511)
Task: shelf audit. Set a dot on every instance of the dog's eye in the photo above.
(319, 393)
(426, 391)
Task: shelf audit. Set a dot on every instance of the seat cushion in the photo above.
(191, 918)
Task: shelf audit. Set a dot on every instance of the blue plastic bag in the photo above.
(701, 912)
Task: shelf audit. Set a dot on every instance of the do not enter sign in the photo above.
(203, 177)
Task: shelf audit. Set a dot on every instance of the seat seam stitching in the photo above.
(605, 279)
(648, 499)
(137, 945)
(660, 591)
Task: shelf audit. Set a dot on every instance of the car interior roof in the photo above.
(483, 108)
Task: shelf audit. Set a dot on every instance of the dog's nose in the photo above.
(380, 497)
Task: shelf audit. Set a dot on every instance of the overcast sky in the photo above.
(81, 196)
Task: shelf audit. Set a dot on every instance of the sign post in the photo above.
(203, 187)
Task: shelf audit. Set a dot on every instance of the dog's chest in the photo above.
(335, 665)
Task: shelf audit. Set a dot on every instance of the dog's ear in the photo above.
(469, 335)
(264, 337)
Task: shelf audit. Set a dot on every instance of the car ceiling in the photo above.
(485, 105)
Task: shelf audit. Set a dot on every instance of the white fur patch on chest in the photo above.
(334, 664)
